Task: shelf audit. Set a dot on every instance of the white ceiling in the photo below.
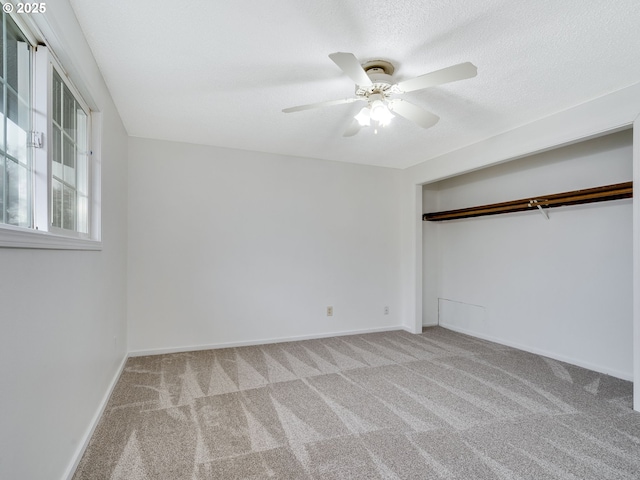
(220, 72)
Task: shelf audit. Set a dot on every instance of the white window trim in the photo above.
(18, 237)
(21, 237)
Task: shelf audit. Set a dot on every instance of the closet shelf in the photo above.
(575, 197)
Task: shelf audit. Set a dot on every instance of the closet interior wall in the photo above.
(561, 286)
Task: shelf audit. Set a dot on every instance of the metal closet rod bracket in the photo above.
(534, 203)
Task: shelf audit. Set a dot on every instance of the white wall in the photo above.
(60, 310)
(430, 259)
(561, 287)
(636, 267)
(229, 246)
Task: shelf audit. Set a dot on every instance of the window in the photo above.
(15, 101)
(48, 176)
(69, 160)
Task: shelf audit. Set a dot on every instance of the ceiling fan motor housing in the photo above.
(379, 71)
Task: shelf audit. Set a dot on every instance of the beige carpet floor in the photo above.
(391, 405)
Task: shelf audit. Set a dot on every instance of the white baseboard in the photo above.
(212, 346)
(544, 353)
(430, 324)
(75, 460)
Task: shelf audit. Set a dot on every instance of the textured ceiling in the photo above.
(220, 72)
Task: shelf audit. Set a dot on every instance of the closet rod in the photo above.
(575, 197)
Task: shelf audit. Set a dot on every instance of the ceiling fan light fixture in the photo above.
(364, 117)
(380, 113)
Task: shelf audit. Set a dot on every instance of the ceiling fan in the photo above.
(374, 86)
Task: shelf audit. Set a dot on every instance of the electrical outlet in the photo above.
(329, 311)
(386, 310)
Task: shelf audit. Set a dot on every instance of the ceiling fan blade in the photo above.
(413, 112)
(350, 65)
(454, 73)
(353, 128)
(320, 104)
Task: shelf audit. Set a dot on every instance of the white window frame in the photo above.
(42, 234)
(45, 65)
